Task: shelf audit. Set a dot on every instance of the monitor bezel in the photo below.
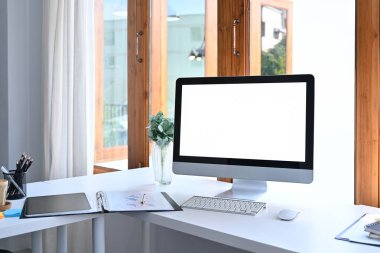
(309, 140)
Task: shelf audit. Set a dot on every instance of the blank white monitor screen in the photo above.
(263, 121)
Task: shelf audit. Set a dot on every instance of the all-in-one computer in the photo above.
(254, 128)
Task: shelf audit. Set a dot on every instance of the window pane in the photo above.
(186, 33)
(115, 122)
(273, 40)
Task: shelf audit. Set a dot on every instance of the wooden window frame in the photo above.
(138, 83)
(99, 77)
(255, 33)
(102, 154)
(137, 149)
(138, 103)
(159, 58)
(159, 61)
(211, 35)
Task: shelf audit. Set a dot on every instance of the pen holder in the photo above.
(20, 179)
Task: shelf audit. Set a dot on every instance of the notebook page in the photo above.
(136, 201)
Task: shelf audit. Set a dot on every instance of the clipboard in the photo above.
(355, 232)
(102, 202)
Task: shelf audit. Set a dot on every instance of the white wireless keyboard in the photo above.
(247, 207)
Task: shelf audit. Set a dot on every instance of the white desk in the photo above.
(312, 231)
(13, 226)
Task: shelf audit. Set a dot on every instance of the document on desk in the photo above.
(136, 201)
(355, 232)
(102, 201)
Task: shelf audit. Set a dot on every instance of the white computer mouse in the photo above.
(287, 214)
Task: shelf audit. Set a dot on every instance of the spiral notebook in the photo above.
(101, 202)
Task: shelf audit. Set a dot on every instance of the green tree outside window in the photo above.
(273, 62)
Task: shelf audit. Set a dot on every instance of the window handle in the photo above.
(234, 25)
(138, 36)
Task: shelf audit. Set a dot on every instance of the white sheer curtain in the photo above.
(69, 100)
(69, 87)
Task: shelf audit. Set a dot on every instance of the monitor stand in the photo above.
(245, 189)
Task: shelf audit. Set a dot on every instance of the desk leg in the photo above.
(146, 237)
(37, 241)
(62, 239)
(98, 238)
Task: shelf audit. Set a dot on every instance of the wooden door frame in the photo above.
(230, 64)
(138, 83)
(367, 130)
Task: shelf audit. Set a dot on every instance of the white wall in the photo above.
(21, 84)
(3, 83)
(324, 45)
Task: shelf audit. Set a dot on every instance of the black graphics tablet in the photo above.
(53, 205)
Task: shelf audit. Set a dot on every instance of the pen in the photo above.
(28, 165)
(18, 167)
(142, 199)
(25, 162)
(20, 163)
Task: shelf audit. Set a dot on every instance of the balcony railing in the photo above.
(115, 122)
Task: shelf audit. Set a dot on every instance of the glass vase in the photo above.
(162, 162)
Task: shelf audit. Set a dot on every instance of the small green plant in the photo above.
(160, 129)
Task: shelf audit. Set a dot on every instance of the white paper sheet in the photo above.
(136, 201)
